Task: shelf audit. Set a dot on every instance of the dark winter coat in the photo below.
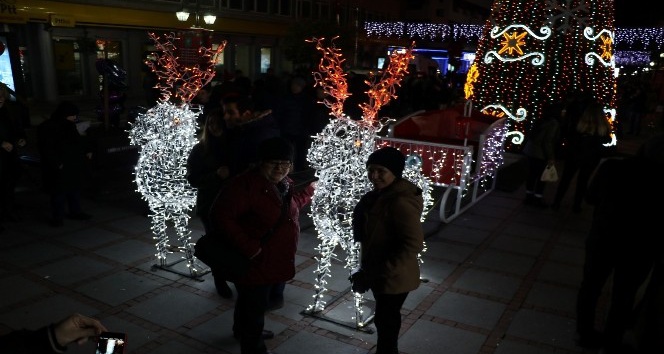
(387, 224)
(622, 192)
(26, 341)
(11, 131)
(63, 154)
(246, 209)
(202, 166)
(543, 141)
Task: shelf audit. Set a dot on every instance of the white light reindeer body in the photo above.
(166, 133)
(339, 154)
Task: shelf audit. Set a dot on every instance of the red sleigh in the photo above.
(460, 149)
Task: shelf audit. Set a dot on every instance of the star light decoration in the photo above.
(166, 134)
(512, 43)
(339, 154)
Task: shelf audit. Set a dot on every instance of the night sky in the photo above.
(637, 13)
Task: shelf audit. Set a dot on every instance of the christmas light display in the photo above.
(166, 134)
(571, 45)
(632, 58)
(339, 154)
(635, 38)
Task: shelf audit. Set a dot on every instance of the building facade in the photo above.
(54, 46)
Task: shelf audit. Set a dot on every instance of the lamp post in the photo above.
(183, 16)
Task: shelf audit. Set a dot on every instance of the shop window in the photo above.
(266, 59)
(68, 70)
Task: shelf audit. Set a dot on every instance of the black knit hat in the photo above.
(390, 158)
(276, 148)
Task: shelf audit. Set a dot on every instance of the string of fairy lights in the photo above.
(530, 54)
(166, 133)
(635, 38)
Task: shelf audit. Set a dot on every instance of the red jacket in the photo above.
(246, 209)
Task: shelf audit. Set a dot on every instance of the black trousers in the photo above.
(388, 321)
(628, 275)
(249, 317)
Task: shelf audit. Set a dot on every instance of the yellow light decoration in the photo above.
(571, 51)
(512, 43)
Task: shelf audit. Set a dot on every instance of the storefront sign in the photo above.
(62, 21)
(9, 13)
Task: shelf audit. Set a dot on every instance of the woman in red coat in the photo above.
(246, 210)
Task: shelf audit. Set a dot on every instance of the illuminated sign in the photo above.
(62, 21)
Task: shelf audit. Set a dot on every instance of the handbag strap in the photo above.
(284, 206)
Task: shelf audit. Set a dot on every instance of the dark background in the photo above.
(638, 13)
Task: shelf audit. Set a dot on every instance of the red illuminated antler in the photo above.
(184, 81)
(331, 77)
(382, 91)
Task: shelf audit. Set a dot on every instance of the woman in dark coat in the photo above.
(64, 154)
(208, 171)
(586, 149)
(386, 222)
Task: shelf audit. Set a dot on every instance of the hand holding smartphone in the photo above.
(111, 343)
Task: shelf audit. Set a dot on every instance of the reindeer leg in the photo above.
(325, 250)
(159, 231)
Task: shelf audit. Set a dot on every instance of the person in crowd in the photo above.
(260, 199)
(150, 81)
(386, 222)
(207, 171)
(607, 251)
(246, 127)
(585, 150)
(294, 112)
(53, 338)
(267, 90)
(64, 153)
(209, 99)
(540, 151)
(650, 327)
(12, 137)
(637, 108)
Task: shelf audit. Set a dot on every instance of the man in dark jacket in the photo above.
(622, 241)
(64, 152)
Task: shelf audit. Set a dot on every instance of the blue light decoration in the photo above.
(632, 58)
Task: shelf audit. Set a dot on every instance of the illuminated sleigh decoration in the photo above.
(461, 150)
(339, 154)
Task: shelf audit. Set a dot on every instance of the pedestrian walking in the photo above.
(540, 150)
(585, 150)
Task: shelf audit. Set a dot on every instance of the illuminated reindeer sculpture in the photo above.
(166, 134)
(339, 154)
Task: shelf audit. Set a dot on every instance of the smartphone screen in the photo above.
(111, 343)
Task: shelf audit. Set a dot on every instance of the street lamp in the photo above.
(183, 15)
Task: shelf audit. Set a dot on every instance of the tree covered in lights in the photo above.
(166, 133)
(533, 52)
(339, 154)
